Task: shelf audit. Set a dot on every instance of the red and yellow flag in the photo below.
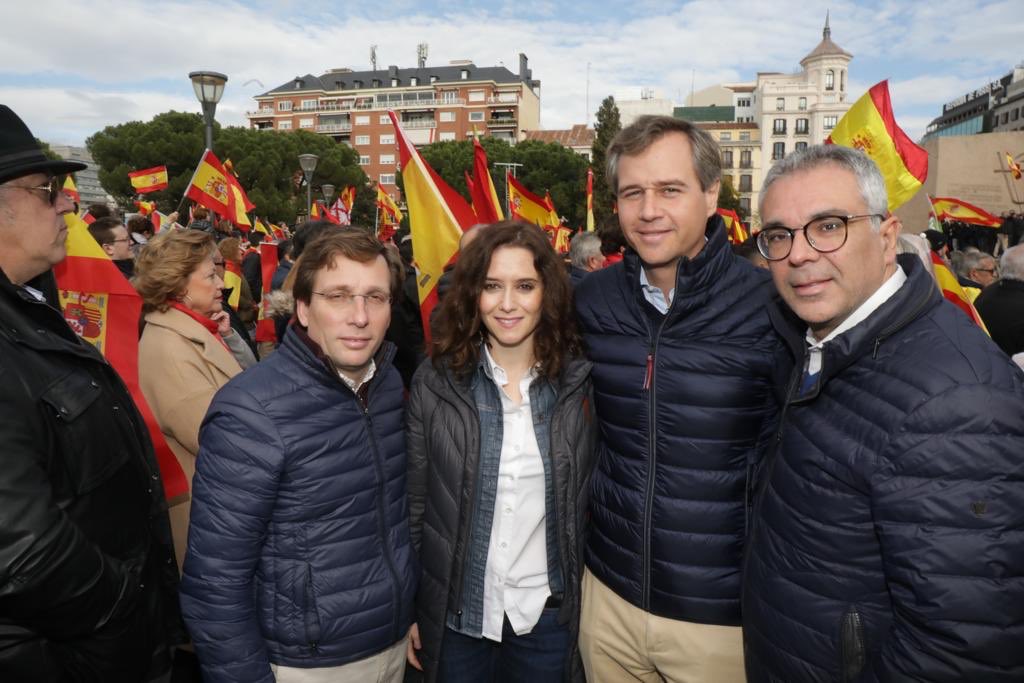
(348, 197)
(268, 264)
(734, 227)
(527, 206)
(233, 281)
(326, 214)
(590, 200)
(485, 198)
(388, 207)
(145, 208)
(563, 235)
(72, 191)
(952, 209)
(869, 126)
(1010, 164)
(149, 179)
(437, 217)
(103, 309)
(952, 291)
(209, 186)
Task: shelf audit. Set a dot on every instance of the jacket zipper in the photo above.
(652, 354)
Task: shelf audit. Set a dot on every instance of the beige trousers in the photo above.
(620, 642)
(387, 666)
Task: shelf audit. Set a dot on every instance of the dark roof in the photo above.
(705, 113)
(735, 125)
(577, 136)
(826, 47)
(345, 80)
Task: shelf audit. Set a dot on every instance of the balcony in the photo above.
(260, 112)
(502, 123)
(334, 127)
(426, 123)
(412, 104)
(507, 99)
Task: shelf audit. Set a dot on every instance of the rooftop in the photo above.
(577, 136)
(826, 48)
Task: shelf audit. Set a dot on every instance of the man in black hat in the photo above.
(87, 578)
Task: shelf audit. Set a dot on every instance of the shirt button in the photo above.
(503, 544)
(508, 510)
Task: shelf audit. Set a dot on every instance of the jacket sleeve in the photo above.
(53, 579)
(179, 390)
(416, 454)
(949, 512)
(233, 495)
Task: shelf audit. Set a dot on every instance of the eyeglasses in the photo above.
(343, 300)
(825, 234)
(118, 241)
(53, 188)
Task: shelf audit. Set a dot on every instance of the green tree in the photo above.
(607, 127)
(266, 163)
(728, 199)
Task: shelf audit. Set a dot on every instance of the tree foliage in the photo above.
(729, 199)
(266, 163)
(607, 127)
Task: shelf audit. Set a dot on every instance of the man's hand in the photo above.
(412, 645)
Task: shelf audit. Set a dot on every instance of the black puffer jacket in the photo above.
(443, 440)
(87, 576)
(888, 543)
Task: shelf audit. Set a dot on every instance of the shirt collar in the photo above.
(498, 373)
(881, 295)
(353, 384)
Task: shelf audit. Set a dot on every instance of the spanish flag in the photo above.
(145, 208)
(262, 229)
(209, 186)
(149, 179)
(437, 216)
(590, 200)
(527, 206)
(1010, 164)
(869, 126)
(734, 228)
(103, 309)
(348, 198)
(71, 190)
(268, 264)
(952, 209)
(952, 291)
(562, 237)
(485, 197)
(389, 207)
(233, 281)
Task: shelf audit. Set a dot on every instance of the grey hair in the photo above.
(1011, 264)
(973, 258)
(583, 247)
(869, 179)
(646, 130)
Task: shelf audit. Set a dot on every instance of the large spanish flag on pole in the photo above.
(485, 198)
(103, 308)
(869, 126)
(149, 179)
(437, 217)
(952, 209)
(527, 206)
(209, 186)
(590, 199)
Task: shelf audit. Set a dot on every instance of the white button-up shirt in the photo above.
(516, 576)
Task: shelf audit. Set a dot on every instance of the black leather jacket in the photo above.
(87, 577)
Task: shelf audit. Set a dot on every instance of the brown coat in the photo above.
(181, 367)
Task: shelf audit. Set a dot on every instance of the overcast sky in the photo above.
(71, 68)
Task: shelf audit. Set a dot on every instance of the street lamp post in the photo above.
(209, 87)
(307, 162)
(328, 191)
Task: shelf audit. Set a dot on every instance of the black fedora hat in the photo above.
(21, 155)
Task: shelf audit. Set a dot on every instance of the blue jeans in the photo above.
(536, 657)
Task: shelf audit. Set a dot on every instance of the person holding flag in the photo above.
(88, 589)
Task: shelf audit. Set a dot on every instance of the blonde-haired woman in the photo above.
(188, 350)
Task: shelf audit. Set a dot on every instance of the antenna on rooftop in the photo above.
(421, 55)
(373, 57)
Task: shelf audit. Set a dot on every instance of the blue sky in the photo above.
(69, 69)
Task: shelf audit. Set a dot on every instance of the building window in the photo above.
(464, 74)
(394, 82)
(447, 116)
(414, 81)
(830, 80)
(727, 159)
(386, 178)
(802, 104)
(800, 146)
(743, 102)
(284, 105)
(449, 95)
(725, 136)
(745, 159)
(307, 104)
(362, 139)
(363, 120)
(305, 123)
(445, 136)
(746, 182)
(1015, 114)
(476, 116)
(1005, 118)
(842, 81)
(745, 136)
(780, 104)
(364, 159)
(388, 139)
(384, 118)
(433, 78)
(779, 127)
(387, 159)
(801, 126)
(476, 96)
(284, 125)
(830, 122)
(745, 206)
(778, 151)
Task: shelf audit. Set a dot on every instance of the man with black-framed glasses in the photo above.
(112, 236)
(885, 540)
(87, 578)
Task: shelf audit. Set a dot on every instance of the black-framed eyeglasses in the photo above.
(53, 188)
(825, 234)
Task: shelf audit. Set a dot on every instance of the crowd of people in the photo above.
(786, 461)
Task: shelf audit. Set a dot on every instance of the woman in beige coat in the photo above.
(188, 350)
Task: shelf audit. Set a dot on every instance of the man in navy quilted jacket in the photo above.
(888, 534)
(299, 564)
(682, 351)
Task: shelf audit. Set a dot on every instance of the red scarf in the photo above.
(210, 325)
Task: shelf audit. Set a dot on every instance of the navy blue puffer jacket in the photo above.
(888, 543)
(685, 405)
(299, 551)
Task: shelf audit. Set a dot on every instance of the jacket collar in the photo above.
(916, 297)
(298, 343)
(214, 351)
